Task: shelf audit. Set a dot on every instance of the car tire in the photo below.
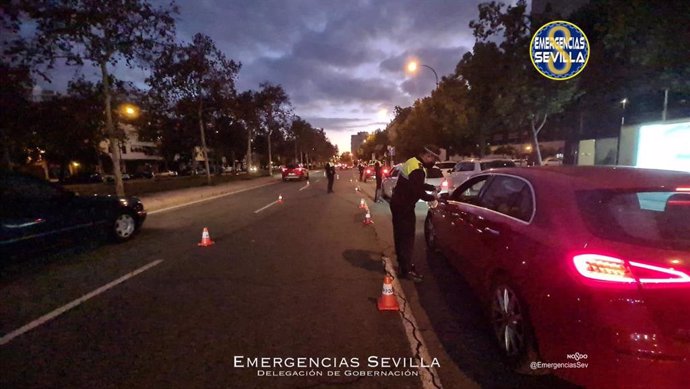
(123, 227)
(430, 234)
(512, 329)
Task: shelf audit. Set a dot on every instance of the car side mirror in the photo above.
(444, 197)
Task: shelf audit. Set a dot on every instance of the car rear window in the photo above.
(291, 166)
(645, 217)
(434, 173)
(495, 164)
(464, 167)
(445, 165)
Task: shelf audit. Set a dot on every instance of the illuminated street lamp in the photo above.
(624, 102)
(129, 110)
(412, 67)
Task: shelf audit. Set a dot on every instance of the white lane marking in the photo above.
(210, 198)
(429, 376)
(265, 207)
(52, 315)
(304, 187)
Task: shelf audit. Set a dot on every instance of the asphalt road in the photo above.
(297, 279)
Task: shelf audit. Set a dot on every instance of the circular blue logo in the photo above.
(559, 50)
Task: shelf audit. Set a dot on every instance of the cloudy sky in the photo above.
(341, 61)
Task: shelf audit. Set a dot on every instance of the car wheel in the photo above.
(511, 327)
(123, 227)
(430, 233)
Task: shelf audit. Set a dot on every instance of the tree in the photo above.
(197, 78)
(346, 158)
(103, 33)
(520, 94)
(246, 112)
(15, 87)
(275, 113)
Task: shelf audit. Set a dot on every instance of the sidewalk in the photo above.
(425, 299)
(161, 200)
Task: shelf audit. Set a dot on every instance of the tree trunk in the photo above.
(535, 135)
(482, 143)
(248, 157)
(114, 142)
(296, 159)
(203, 141)
(270, 156)
(6, 160)
(535, 144)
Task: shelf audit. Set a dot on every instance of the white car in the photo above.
(446, 167)
(465, 169)
(552, 161)
(434, 177)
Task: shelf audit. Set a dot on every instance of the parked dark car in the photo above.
(36, 213)
(143, 174)
(578, 264)
(83, 178)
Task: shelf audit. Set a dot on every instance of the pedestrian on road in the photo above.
(379, 172)
(330, 174)
(409, 189)
(361, 171)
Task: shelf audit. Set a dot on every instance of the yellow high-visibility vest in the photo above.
(411, 165)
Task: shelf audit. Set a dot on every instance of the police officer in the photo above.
(408, 190)
(330, 175)
(378, 171)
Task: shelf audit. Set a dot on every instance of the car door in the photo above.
(502, 223)
(36, 213)
(458, 220)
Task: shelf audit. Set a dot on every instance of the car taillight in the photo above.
(385, 171)
(368, 171)
(683, 189)
(283, 169)
(610, 269)
(444, 184)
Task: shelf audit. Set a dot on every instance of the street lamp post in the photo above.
(412, 67)
(620, 133)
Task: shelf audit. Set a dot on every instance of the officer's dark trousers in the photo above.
(330, 183)
(404, 221)
(377, 194)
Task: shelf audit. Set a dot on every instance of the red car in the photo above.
(370, 172)
(578, 264)
(294, 172)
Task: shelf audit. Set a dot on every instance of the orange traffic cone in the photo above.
(280, 199)
(367, 218)
(387, 301)
(362, 204)
(205, 239)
